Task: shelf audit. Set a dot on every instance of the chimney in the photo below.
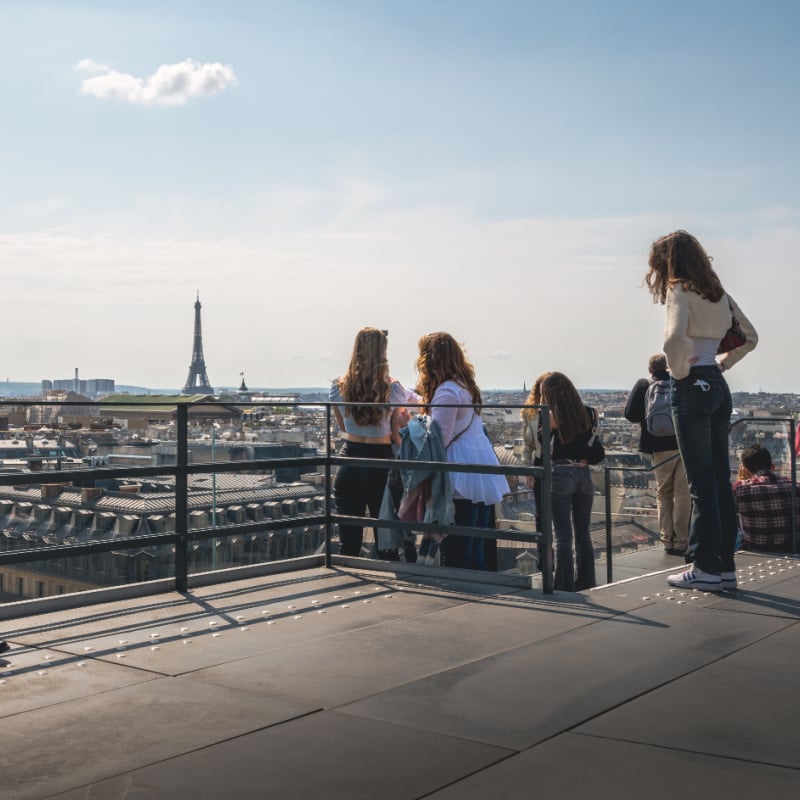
(89, 495)
(51, 490)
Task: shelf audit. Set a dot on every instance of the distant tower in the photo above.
(243, 393)
(197, 382)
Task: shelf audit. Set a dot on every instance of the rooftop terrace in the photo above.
(341, 682)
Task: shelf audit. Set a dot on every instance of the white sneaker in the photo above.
(728, 580)
(695, 578)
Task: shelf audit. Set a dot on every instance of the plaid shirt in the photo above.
(764, 503)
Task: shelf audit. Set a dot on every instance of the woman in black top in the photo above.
(574, 445)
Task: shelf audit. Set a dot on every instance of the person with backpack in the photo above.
(649, 405)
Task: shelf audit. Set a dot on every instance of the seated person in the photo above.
(764, 503)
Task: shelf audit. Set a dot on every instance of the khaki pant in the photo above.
(673, 500)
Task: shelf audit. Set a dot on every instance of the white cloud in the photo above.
(169, 85)
(87, 65)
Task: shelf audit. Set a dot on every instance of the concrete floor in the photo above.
(356, 684)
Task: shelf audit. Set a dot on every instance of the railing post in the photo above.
(547, 507)
(607, 488)
(328, 523)
(793, 474)
(182, 498)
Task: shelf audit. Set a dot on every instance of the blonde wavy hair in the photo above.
(442, 359)
(367, 378)
(678, 258)
(534, 399)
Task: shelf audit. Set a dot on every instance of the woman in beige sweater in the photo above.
(699, 313)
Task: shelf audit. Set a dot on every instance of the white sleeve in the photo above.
(446, 417)
(412, 398)
(677, 343)
(399, 394)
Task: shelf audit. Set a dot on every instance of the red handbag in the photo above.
(734, 337)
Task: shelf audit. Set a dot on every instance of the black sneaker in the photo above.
(4, 647)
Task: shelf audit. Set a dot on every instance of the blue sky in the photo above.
(497, 170)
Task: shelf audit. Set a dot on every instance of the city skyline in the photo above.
(494, 170)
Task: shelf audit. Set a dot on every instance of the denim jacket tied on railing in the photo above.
(421, 440)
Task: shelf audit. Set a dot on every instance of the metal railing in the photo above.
(608, 469)
(182, 537)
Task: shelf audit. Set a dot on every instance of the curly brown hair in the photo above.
(557, 391)
(367, 378)
(441, 359)
(678, 258)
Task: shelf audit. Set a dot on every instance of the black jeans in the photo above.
(701, 411)
(572, 495)
(358, 489)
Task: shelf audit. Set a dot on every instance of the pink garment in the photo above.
(412, 506)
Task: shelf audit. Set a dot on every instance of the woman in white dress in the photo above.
(447, 386)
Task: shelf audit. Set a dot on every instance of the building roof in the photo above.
(163, 502)
(160, 404)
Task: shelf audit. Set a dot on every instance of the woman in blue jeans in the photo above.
(699, 314)
(574, 445)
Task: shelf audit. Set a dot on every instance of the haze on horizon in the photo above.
(497, 170)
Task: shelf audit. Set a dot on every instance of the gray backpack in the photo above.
(657, 409)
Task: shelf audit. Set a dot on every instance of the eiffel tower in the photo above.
(197, 382)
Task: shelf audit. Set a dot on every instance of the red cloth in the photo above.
(412, 506)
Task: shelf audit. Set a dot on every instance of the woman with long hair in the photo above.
(447, 378)
(699, 314)
(574, 445)
(367, 431)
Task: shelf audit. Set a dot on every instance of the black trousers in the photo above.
(357, 490)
